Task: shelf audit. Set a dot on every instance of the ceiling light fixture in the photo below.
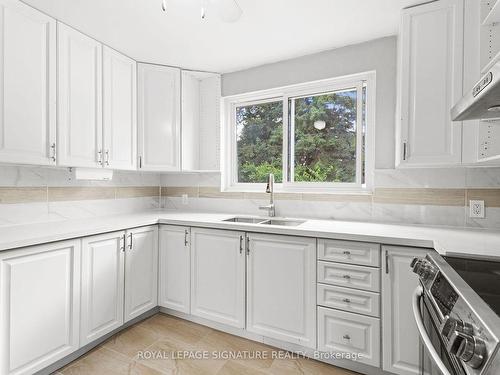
(228, 10)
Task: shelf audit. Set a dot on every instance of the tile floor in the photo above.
(162, 335)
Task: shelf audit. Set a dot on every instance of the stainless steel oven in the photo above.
(459, 331)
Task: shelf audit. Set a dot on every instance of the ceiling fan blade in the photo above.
(228, 10)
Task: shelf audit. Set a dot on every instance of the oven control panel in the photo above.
(444, 294)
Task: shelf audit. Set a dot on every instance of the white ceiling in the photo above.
(268, 31)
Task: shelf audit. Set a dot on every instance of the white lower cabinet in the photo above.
(39, 306)
(102, 285)
(281, 288)
(400, 336)
(174, 276)
(141, 271)
(218, 276)
(343, 332)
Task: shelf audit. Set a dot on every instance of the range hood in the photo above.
(483, 101)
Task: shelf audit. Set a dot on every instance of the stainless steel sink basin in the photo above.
(286, 223)
(248, 220)
(261, 220)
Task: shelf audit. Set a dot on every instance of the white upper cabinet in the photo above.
(79, 126)
(27, 85)
(200, 121)
(281, 273)
(119, 110)
(159, 118)
(431, 80)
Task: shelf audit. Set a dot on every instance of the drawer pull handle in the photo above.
(347, 252)
(346, 337)
(347, 277)
(346, 300)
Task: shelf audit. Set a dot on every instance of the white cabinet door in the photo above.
(120, 119)
(281, 288)
(159, 135)
(218, 276)
(431, 83)
(39, 306)
(102, 285)
(400, 337)
(174, 268)
(141, 271)
(27, 85)
(79, 97)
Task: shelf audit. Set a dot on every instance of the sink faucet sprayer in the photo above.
(271, 209)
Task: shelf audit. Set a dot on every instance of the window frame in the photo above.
(229, 160)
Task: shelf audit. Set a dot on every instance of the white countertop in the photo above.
(478, 242)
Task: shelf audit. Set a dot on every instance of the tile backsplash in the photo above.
(412, 196)
(437, 196)
(32, 194)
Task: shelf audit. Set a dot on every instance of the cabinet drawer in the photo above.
(346, 275)
(353, 300)
(342, 332)
(362, 253)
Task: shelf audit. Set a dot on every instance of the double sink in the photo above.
(262, 221)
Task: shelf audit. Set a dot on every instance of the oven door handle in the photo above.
(417, 295)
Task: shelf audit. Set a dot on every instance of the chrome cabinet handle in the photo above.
(99, 157)
(346, 337)
(405, 150)
(186, 232)
(131, 244)
(122, 245)
(347, 277)
(386, 261)
(241, 244)
(248, 245)
(53, 152)
(346, 300)
(107, 157)
(347, 252)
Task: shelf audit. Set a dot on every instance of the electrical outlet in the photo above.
(476, 209)
(185, 199)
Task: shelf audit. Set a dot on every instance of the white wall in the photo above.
(379, 55)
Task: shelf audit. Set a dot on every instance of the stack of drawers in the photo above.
(348, 298)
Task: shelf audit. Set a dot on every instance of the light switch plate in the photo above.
(476, 209)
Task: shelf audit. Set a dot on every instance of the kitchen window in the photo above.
(313, 136)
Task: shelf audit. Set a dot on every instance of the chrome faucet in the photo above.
(271, 209)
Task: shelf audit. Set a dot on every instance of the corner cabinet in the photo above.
(119, 110)
(174, 278)
(159, 107)
(141, 271)
(103, 258)
(39, 306)
(431, 79)
(27, 85)
(79, 126)
(400, 338)
(281, 272)
(218, 276)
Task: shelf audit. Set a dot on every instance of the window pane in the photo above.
(259, 132)
(325, 137)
